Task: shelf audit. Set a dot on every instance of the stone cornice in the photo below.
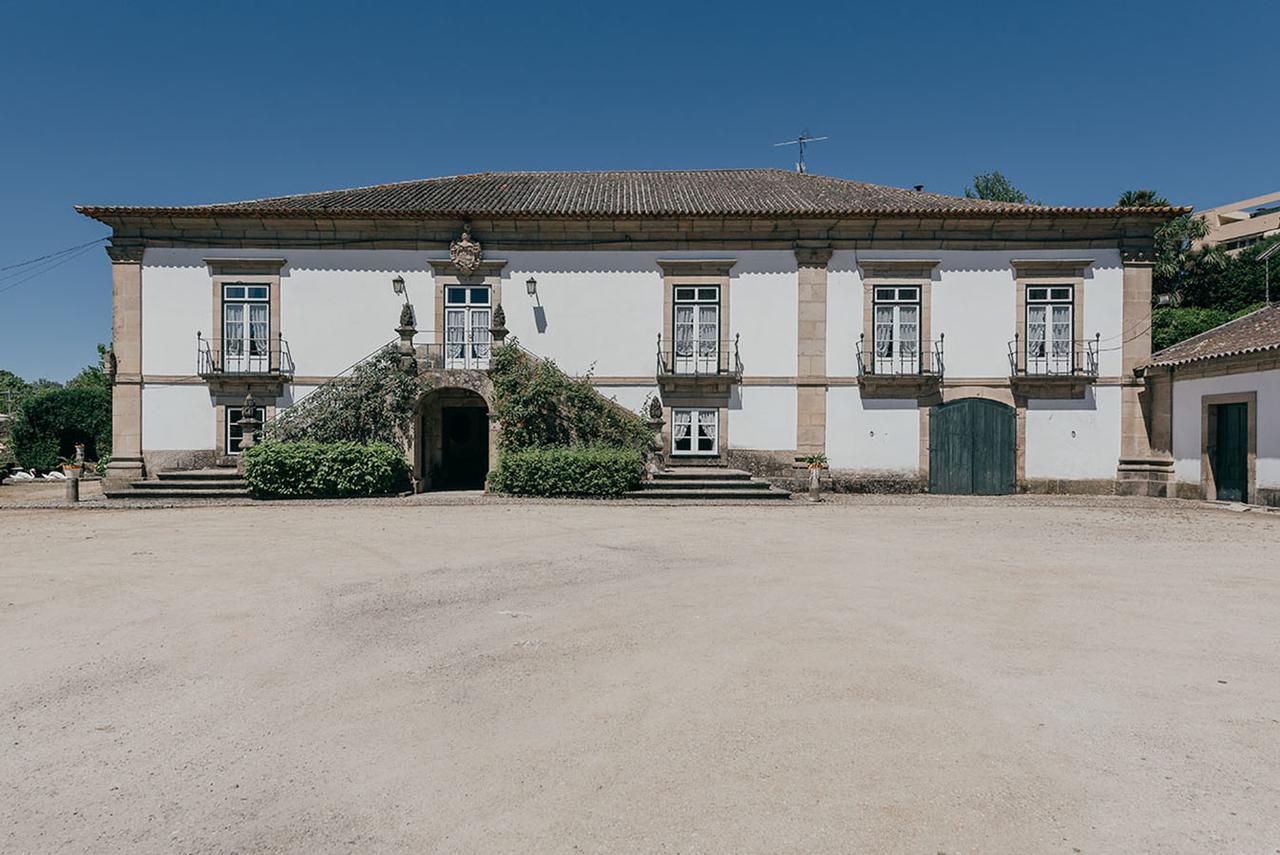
(233, 266)
(1050, 265)
(488, 267)
(696, 266)
(813, 256)
(876, 267)
(128, 254)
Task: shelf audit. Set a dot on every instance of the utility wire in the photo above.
(53, 254)
(46, 268)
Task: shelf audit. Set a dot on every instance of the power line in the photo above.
(31, 261)
(46, 268)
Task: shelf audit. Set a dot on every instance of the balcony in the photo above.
(454, 356)
(901, 369)
(1056, 369)
(699, 366)
(236, 365)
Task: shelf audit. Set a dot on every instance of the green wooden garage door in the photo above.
(971, 448)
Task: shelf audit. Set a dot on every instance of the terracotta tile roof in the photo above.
(1256, 331)
(681, 193)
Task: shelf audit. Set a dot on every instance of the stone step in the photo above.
(706, 495)
(195, 484)
(220, 474)
(161, 492)
(707, 473)
(741, 484)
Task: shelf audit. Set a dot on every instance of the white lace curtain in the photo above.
(681, 424)
(707, 424)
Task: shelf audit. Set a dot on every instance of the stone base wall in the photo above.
(164, 461)
(1070, 486)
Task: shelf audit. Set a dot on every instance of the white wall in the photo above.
(1187, 395)
(631, 397)
(763, 418)
(872, 434)
(973, 303)
(177, 418)
(1077, 438)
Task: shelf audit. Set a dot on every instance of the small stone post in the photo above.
(72, 484)
(407, 330)
(815, 483)
(249, 425)
(656, 423)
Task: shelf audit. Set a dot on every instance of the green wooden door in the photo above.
(971, 448)
(1231, 453)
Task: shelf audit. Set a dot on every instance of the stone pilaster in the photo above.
(126, 389)
(1146, 460)
(811, 351)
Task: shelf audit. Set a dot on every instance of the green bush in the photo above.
(318, 470)
(539, 406)
(374, 404)
(1171, 325)
(50, 423)
(575, 471)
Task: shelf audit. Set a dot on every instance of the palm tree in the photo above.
(1142, 199)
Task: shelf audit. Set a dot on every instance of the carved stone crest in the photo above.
(466, 253)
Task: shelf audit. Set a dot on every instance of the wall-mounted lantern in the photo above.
(531, 285)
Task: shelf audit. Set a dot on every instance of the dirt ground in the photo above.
(919, 676)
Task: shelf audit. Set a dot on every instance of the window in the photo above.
(467, 322)
(246, 327)
(896, 329)
(696, 328)
(694, 431)
(1050, 329)
(235, 434)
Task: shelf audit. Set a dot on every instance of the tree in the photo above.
(92, 376)
(1142, 199)
(51, 422)
(994, 186)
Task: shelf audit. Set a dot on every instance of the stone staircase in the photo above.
(223, 483)
(707, 483)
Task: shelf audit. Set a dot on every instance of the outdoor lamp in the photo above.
(531, 286)
(397, 285)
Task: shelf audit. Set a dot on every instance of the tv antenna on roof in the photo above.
(800, 141)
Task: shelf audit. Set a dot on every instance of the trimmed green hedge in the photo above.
(574, 471)
(320, 470)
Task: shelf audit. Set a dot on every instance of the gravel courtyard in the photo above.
(926, 675)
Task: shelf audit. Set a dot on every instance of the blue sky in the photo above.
(179, 103)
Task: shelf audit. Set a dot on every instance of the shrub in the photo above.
(1174, 324)
(540, 406)
(374, 404)
(575, 471)
(50, 423)
(316, 470)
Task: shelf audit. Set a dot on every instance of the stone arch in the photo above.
(454, 433)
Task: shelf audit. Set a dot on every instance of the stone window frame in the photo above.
(446, 274)
(908, 272)
(685, 272)
(1042, 273)
(1208, 435)
(220, 405)
(248, 271)
(692, 272)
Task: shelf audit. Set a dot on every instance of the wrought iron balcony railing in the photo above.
(449, 356)
(1041, 358)
(901, 359)
(219, 358)
(699, 358)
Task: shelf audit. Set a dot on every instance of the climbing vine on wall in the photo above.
(375, 403)
(540, 406)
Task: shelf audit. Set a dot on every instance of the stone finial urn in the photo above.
(407, 330)
(499, 329)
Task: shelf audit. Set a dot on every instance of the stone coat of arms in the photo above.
(466, 253)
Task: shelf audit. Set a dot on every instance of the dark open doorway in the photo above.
(453, 445)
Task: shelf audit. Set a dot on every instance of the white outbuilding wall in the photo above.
(1187, 410)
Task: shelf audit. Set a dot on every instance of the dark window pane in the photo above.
(457, 296)
(708, 293)
(480, 296)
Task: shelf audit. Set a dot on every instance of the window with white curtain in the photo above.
(246, 327)
(235, 433)
(694, 431)
(896, 329)
(1050, 329)
(696, 327)
(467, 321)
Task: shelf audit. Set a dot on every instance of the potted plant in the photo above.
(816, 463)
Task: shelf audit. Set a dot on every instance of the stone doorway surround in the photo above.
(454, 389)
(1208, 440)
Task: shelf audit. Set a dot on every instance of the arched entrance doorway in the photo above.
(972, 448)
(453, 440)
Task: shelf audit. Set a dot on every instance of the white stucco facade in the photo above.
(1188, 415)
(602, 312)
